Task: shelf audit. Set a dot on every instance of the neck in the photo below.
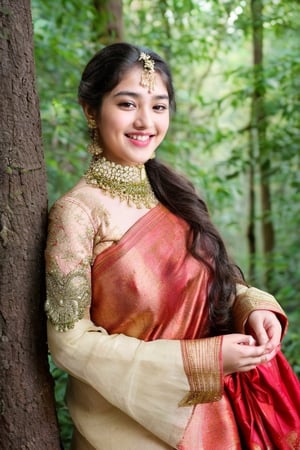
(129, 183)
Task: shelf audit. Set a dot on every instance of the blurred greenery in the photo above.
(208, 45)
(64, 418)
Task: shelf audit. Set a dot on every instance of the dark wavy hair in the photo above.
(107, 67)
(100, 76)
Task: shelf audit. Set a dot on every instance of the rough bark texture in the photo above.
(27, 410)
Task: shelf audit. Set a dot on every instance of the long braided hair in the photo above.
(179, 196)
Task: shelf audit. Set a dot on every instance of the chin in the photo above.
(137, 161)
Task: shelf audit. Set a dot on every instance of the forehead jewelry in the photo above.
(148, 74)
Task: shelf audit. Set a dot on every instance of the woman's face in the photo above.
(133, 122)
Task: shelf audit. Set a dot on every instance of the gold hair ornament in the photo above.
(148, 74)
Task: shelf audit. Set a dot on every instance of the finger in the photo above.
(261, 359)
(262, 336)
(274, 334)
(253, 362)
(246, 339)
(268, 356)
(253, 356)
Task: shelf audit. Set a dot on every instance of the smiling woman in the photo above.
(132, 121)
(146, 313)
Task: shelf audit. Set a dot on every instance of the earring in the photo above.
(94, 147)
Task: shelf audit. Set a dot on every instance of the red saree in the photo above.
(148, 286)
(266, 403)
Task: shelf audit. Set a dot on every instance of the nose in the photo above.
(143, 118)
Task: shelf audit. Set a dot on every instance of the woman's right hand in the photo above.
(240, 353)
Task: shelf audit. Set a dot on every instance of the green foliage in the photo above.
(208, 46)
(63, 416)
(64, 42)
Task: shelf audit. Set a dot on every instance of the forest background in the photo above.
(236, 69)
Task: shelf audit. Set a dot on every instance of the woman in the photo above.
(145, 311)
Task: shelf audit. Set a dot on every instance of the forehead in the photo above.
(131, 80)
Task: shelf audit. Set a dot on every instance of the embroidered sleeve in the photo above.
(68, 262)
(202, 364)
(249, 299)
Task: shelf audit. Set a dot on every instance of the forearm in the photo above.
(146, 380)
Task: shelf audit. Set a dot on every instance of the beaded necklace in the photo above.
(129, 183)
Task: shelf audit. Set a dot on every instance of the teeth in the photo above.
(138, 137)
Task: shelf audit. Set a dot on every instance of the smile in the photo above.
(139, 137)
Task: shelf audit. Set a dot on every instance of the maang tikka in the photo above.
(94, 147)
(148, 73)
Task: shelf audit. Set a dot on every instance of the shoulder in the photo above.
(82, 203)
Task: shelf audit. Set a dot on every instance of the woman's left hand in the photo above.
(264, 326)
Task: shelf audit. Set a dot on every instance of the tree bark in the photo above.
(109, 22)
(27, 409)
(259, 123)
(251, 234)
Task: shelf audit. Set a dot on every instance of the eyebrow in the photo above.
(135, 94)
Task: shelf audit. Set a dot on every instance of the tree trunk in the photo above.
(109, 23)
(259, 122)
(28, 418)
(251, 235)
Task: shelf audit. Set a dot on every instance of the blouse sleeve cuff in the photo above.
(202, 359)
(249, 299)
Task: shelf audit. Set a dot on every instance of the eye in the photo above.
(126, 105)
(160, 108)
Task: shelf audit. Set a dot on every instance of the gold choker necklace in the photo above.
(129, 183)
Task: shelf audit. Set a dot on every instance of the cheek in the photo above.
(164, 125)
(117, 122)
(108, 127)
